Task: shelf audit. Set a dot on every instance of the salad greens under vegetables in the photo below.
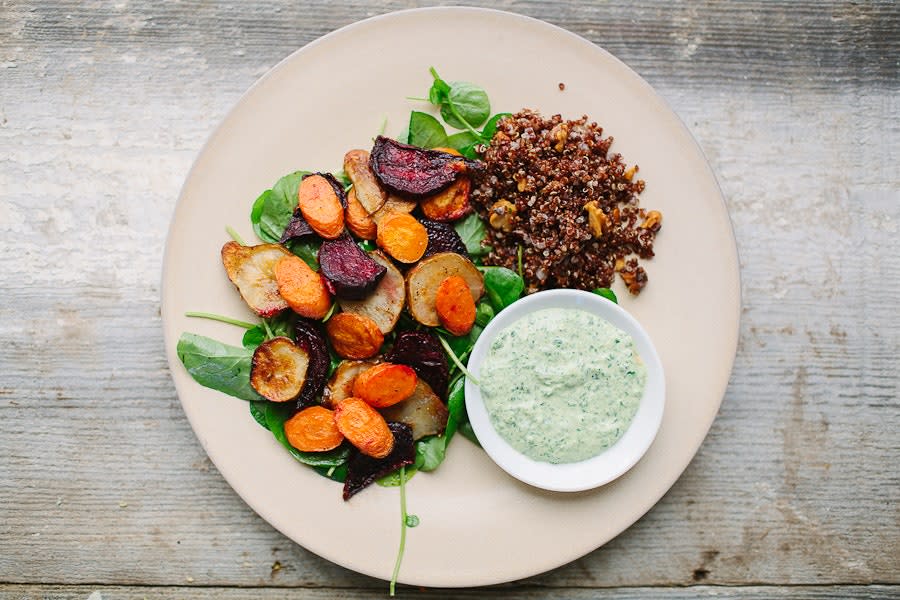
(462, 106)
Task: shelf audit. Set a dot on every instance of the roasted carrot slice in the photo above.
(451, 204)
(278, 369)
(403, 237)
(302, 288)
(455, 306)
(354, 336)
(364, 427)
(321, 207)
(385, 384)
(313, 430)
(358, 219)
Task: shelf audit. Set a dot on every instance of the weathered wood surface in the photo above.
(103, 486)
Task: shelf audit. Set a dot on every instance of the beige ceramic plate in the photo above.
(478, 525)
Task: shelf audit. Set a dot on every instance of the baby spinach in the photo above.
(218, 366)
(308, 250)
(258, 412)
(490, 128)
(606, 293)
(432, 450)
(484, 312)
(425, 131)
(463, 105)
(502, 286)
(276, 414)
(472, 231)
(273, 209)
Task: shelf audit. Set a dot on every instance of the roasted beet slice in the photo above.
(362, 470)
(311, 338)
(414, 171)
(297, 228)
(423, 352)
(349, 272)
(442, 238)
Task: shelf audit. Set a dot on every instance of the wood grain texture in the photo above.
(103, 106)
(92, 592)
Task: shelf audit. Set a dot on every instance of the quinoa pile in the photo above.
(551, 188)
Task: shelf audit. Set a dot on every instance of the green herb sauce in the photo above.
(562, 385)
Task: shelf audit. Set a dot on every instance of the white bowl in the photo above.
(612, 462)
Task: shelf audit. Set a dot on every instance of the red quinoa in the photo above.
(551, 187)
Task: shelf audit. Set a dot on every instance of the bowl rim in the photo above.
(612, 462)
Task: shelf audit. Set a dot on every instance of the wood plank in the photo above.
(97, 592)
(103, 109)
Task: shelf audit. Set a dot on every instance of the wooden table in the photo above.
(106, 493)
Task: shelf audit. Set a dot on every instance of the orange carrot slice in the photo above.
(385, 384)
(321, 206)
(403, 237)
(455, 306)
(354, 336)
(313, 430)
(358, 219)
(302, 288)
(364, 427)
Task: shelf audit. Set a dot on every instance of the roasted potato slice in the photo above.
(394, 204)
(423, 411)
(385, 304)
(340, 386)
(423, 280)
(368, 191)
(278, 369)
(252, 270)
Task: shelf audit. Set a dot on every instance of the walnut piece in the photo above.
(502, 212)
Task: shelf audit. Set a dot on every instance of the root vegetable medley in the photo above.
(372, 287)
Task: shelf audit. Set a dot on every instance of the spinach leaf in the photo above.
(276, 414)
(465, 430)
(431, 451)
(308, 250)
(393, 479)
(606, 293)
(462, 140)
(462, 345)
(217, 365)
(258, 412)
(425, 131)
(490, 128)
(254, 337)
(463, 105)
(439, 89)
(467, 105)
(503, 286)
(484, 312)
(273, 209)
(472, 231)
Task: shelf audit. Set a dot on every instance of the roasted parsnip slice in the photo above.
(278, 369)
(385, 304)
(423, 411)
(252, 270)
(423, 281)
(368, 191)
(340, 386)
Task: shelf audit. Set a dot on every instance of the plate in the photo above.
(478, 525)
(612, 462)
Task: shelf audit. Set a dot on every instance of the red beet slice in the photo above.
(362, 470)
(311, 338)
(349, 272)
(297, 228)
(423, 352)
(442, 238)
(413, 171)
